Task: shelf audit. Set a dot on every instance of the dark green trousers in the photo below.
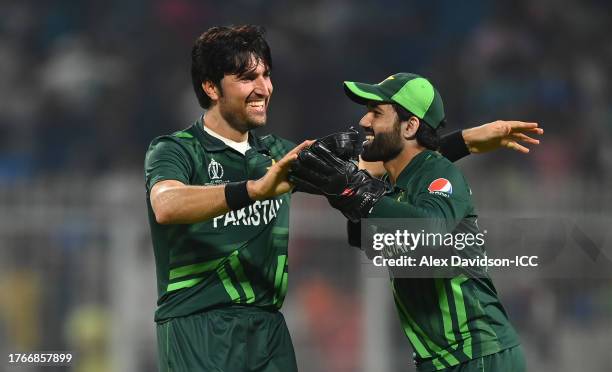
(509, 360)
(233, 339)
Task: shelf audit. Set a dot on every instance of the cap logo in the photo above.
(389, 78)
(440, 186)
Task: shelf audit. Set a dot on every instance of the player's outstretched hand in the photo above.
(502, 133)
(275, 182)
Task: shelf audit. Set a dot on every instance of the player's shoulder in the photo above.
(439, 172)
(437, 163)
(181, 143)
(277, 145)
(183, 138)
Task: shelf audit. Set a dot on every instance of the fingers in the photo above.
(525, 138)
(292, 155)
(513, 145)
(301, 146)
(326, 155)
(514, 124)
(286, 161)
(312, 161)
(538, 131)
(310, 179)
(305, 186)
(524, 127)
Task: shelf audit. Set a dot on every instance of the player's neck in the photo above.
(215, 122)
(396, 165)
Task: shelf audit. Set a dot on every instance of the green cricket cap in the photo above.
(413, 92)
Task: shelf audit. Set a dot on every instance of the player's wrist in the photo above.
(254, 189)
(468, 136)
(237, 195)
(457, 144)
(473, 139)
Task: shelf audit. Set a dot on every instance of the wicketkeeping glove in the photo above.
(345, 145)
(348, 189)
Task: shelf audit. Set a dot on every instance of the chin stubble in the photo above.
(384, 147)
(239, 122)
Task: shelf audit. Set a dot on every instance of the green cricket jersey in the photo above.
(448, 321)
(236, 258)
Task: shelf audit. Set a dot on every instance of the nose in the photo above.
(263, 86)
(366, 121)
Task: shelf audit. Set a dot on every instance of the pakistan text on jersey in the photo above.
(261, 211)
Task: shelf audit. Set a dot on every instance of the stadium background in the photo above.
(85, 85)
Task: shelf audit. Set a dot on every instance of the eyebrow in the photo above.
(251, 73)
(247, 74)
(374, 107)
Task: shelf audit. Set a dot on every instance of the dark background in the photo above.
(86, 85)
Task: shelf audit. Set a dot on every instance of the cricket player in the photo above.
(453, 324)
(218, 207)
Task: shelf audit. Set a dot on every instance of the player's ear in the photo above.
(211, 90)
(412, 126)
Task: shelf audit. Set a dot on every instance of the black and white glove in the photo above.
(352, 191)
(345, 145)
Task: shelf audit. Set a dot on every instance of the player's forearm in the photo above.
(176, 203)
(188, 204)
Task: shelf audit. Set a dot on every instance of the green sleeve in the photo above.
(450, 207)
(167, 159)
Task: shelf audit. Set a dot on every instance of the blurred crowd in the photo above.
(86, 85)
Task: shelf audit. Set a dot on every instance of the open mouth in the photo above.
(258, 105)
(369, 137)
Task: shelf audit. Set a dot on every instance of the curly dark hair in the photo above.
(226, 50)
(426, 136)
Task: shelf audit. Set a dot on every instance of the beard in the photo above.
(384, 147)
(239, 119)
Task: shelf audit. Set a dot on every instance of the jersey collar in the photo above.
(213, 144)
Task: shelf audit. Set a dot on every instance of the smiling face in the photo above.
(382, 128)
(244, 98)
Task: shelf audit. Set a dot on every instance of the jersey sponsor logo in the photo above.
(215, 170)
(440, 186)
(260, 212)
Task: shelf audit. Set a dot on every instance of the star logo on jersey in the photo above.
(440, 186)
(215, 170)
(273, 161)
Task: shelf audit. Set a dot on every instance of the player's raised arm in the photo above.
(514, 135)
